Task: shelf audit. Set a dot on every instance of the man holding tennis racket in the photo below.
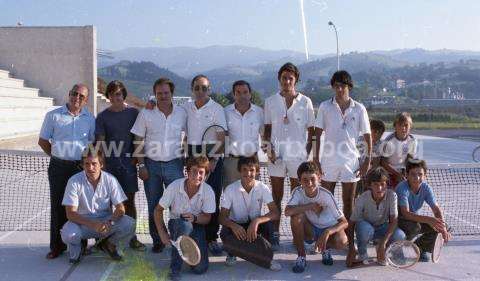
(412, 193)
(158, 136)
(289, 130)
(88, 200)
(206, 129)
(374, 217)
(246, 232)
(245, 124)
(192, 203)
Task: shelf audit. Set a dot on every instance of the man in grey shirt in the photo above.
(88, 198)
(374, 217)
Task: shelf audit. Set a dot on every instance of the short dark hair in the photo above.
(248, 161)
(343, 77)
(307, 167)
(196, 78)
(240, 83)
(413, 163)
(199, 161)
(164, 80)
(289, 67)
(115, 86)
(93, 151)
(377, 175)
(377, 125)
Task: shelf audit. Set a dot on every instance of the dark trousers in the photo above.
(258, 252)
(215, 180)
(428, 235)
(59, 172)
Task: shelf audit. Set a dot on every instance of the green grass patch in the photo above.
(137, 268)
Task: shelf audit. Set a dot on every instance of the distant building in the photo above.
(401, 84)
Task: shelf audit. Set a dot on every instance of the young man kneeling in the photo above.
(412, 193)
(374, 217)
(245, 232)
(191, 202)
(315, 216)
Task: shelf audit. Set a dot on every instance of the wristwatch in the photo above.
(111, 222)
(141, 165)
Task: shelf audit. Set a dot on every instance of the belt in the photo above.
(67, 162)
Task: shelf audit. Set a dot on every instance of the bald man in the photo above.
(65, 133)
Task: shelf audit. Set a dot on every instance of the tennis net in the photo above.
(25, 203)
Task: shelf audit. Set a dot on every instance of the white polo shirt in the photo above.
(245, 206)
(199, 119)
(395, 150)
(330, 212)
(93, 203)
(341, 131)
(163, 135)
(289, 135)
(176, 197)
(244, 130)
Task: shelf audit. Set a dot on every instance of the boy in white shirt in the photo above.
(192, 203)
(397, 147)
(315, 216)
(246, 232)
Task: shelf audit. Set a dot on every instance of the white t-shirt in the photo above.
(341, 131)
(244, 130)
(330, 213)
(93, 203)
(176, 197)
(245, 206)
(395, 150)
(289, 127)
(163, 135)
(199, 119)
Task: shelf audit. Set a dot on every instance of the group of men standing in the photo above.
(155, 142)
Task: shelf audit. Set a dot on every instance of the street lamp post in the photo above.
(336, 36)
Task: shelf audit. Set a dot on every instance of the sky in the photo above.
(363, 25)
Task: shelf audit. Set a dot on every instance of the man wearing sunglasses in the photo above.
(202, 113)
(65, 133)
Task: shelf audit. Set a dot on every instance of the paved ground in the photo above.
(22, 258)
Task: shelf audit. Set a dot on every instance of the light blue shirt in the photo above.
(93, 203)
(68, 134)
(415, 201)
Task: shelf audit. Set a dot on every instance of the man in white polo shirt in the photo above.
(245, 124)
(192, 203)
(289, 128)
(343, 120)
(202, 113)
(246, 232)
(88, 200)
(158, 132)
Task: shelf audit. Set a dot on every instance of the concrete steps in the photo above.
(22, 110)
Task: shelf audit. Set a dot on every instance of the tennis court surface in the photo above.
(24, 222)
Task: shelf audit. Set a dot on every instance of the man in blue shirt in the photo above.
(412, 193)
(65, 133)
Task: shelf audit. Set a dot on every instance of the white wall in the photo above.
(51, 59)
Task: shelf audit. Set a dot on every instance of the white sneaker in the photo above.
(363, 258)
(230, 260)
(275, 266)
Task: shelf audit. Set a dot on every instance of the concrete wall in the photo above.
(51, 59)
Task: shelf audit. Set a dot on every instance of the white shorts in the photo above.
(284, 168)
(340, 173)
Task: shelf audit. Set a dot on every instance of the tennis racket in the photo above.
(476, 154)
(212, 146)
(437, 248)
(402, 254)
(187, 249)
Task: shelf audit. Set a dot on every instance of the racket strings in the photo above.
(403, 255)
(189, 251)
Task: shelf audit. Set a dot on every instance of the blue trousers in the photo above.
(366, 232)
(160, 174)
(178, 227)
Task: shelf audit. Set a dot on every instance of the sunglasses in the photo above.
(79, 95)
(202, 88)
